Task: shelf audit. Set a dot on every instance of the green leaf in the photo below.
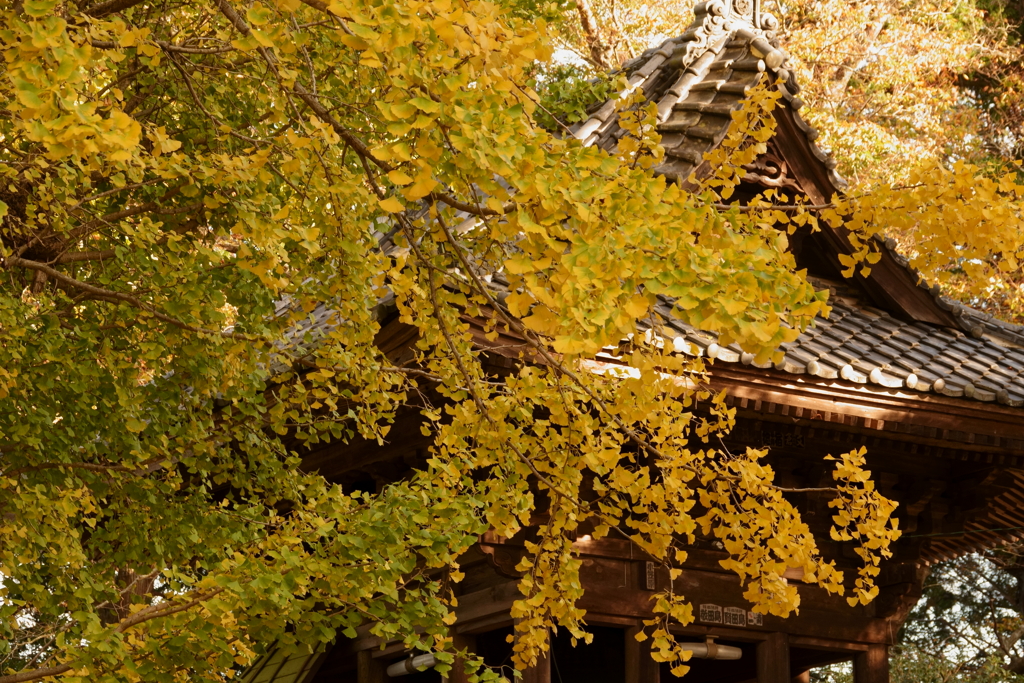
(28, 94)
(425, 104)
(259, 14)
(39, 8)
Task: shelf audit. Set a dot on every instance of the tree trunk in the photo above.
(600, 52)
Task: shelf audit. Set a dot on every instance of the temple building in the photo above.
(934, 389)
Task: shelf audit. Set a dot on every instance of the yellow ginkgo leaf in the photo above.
(391, 205)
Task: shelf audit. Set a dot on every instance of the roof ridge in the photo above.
(976, 323)
(670, 73)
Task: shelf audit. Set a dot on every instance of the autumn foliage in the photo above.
(186, 186)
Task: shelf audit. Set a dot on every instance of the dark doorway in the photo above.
(602, 661)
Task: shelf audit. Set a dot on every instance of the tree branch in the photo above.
(148, 614)
(86, 256)
(474, 209)
(110, 295)
(841, 78)
(147, 467)
(169, 47)
(775, 207)
(599, 51)
(36, 674)
(101, 10)
(354, 141)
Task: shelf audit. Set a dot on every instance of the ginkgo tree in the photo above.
(186, 186)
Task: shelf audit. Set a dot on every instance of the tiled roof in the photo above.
(856, 343)
(698, 79)
(864, 345)
(282, 666)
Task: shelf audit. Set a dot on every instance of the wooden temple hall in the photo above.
(935, 390)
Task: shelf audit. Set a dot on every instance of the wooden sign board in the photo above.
(728, 616)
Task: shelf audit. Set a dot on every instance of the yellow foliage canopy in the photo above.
(186, 189)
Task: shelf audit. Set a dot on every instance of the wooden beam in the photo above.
(337, 459)
(804, 677)
(486, 609)
(640, 668)
(368, 669)
(773, 659)
(872, 666)
(890, 285)
(610, 601)
(812, 643)
(903, 406)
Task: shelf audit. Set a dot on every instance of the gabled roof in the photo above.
(976, 323)
(890, 329)
(285, 666)
(699, 78)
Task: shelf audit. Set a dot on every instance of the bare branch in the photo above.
(86, 256)
(775, 207)
(126, 188)
(101, 10)
(474, 209)
(147, 467)
(600, 53)
(36, 674)
(171, 47)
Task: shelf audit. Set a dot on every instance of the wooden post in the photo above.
(368, 669)
(773, 659)
(640, 668)
(458, 672)
(872, 666)
(539, 672)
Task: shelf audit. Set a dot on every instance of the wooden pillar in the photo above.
(539, 672)
(640, 668)
(872, 666)
(458, 672)
(368, 669)
(773, 659)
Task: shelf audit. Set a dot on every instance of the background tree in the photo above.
(890, 84)
(907, 664)
(973, 611)
(968, 626)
